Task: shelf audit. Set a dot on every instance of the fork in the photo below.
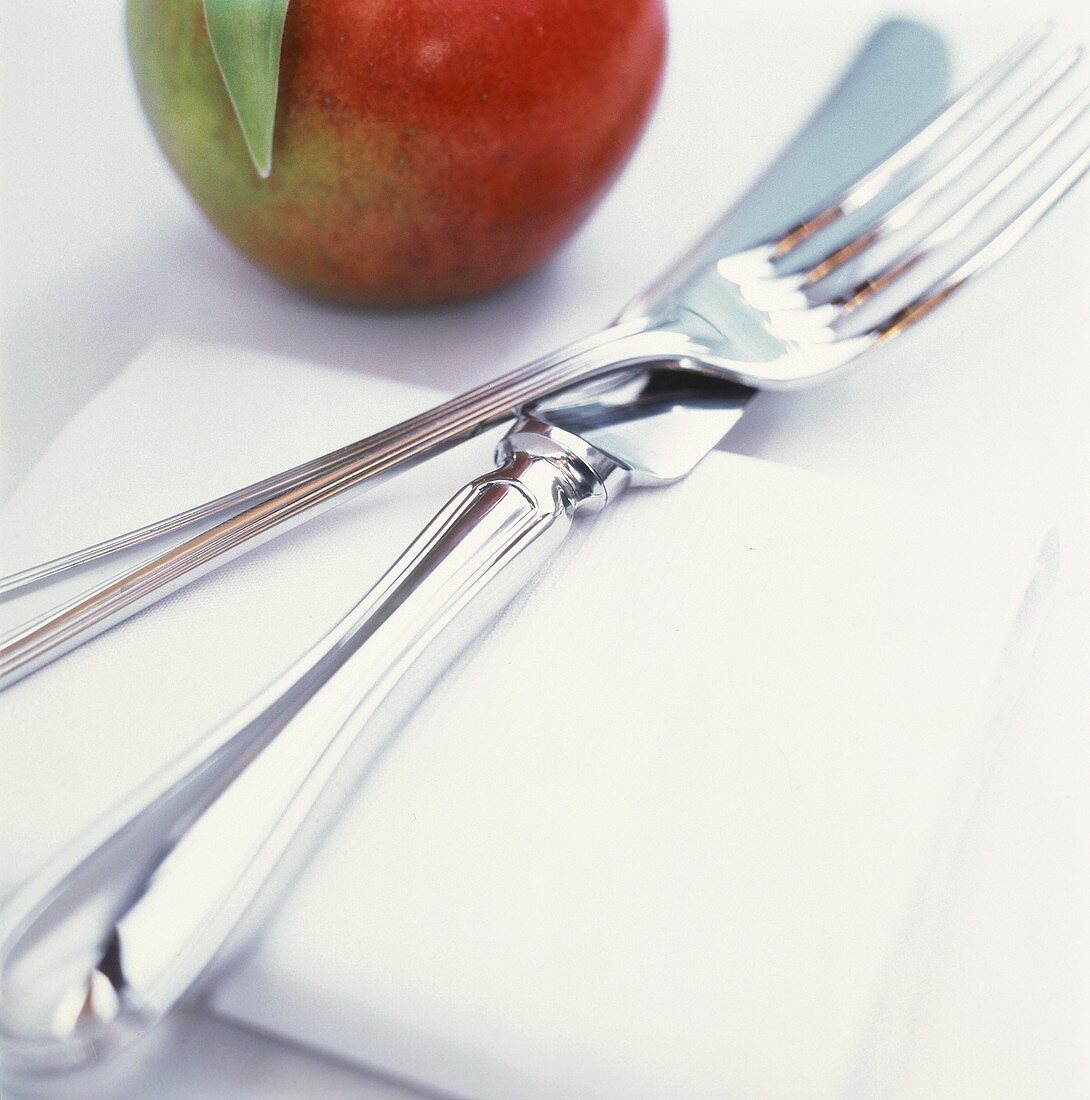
(771, 316)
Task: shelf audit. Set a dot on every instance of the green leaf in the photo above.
(246, 37)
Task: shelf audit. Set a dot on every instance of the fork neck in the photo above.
(709, 307)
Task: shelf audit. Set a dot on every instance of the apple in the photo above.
(422, 150)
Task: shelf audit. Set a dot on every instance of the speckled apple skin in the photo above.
(424, 150)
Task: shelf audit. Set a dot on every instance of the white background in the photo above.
(102, 252)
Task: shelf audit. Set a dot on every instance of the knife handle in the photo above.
(171, 874)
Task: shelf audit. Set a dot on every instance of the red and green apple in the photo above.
(421, 150)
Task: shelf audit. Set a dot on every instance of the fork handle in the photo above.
(307, 491)
(173, 871)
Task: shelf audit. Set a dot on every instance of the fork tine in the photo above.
(976, 204)
(872, 182)
(828, 352)
(816, 324)
(791, 290)
(995, 248)
(960, 162)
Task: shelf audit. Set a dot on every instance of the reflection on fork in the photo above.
(958, 195)
(793, 282)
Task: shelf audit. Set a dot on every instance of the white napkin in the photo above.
(666, 830)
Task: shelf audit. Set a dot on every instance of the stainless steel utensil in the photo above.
(109, 936)
(774, 315)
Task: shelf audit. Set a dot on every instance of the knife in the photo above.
(107, 938)
(113, 932)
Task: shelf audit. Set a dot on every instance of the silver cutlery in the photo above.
(108, 937)
(774, 315)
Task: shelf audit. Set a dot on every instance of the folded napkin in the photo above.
(664, 830)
